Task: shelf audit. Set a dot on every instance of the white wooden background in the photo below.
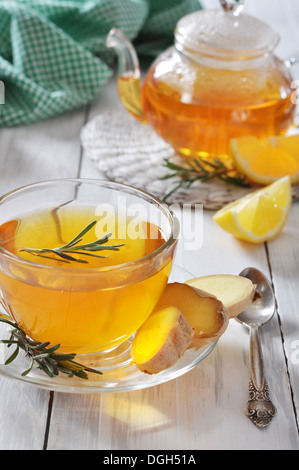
(203, 409)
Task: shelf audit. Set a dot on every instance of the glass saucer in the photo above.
(119, 373)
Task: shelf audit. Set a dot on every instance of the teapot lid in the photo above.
(225, 34)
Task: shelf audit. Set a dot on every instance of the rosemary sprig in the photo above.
(62, 253)
(42, 356)
(198, 169)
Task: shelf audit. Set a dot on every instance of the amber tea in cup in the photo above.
(86, 301)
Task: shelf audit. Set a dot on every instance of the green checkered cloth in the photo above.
(52, 52)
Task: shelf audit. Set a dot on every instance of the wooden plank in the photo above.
(283, 255)
(106, 100)
(23, 411)
(45, 150)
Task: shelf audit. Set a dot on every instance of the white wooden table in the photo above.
(203, 409)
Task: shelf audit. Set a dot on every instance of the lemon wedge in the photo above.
(266, 160)
(259, 216)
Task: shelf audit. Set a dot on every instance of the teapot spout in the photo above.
(129, 76)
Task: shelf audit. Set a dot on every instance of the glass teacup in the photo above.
(86, 301)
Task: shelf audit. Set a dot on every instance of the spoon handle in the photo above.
(256, 359)
(259, 409)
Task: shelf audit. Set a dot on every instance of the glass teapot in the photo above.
(220, 80)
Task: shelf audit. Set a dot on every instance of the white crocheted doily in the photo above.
(126, 151)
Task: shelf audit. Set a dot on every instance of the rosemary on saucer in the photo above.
(64, 253)
(41, 355)
(199, 169)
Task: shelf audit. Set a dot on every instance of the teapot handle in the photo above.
(236, 6)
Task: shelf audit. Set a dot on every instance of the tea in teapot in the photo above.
(220, 80)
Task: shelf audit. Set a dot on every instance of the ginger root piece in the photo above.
(235, 292)
(203, 310)
(161, 340)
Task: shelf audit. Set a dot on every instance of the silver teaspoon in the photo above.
(259, 409)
